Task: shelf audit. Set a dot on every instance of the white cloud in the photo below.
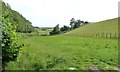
(52, 12)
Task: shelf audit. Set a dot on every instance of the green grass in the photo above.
(63, 52)
(107, 26)
(25, 35)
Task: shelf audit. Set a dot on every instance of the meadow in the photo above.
(81, 45)
(71, 50)
(64, 52)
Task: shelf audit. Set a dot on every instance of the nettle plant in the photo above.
(10, 49)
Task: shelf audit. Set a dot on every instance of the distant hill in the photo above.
(107, 26)
(23, 25)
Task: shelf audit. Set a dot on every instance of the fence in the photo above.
(102, 35)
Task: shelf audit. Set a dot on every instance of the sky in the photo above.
(48, 13)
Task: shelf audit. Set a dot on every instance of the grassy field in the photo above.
(64, 52)
(40, 33)
(107, 26)
(69, 51)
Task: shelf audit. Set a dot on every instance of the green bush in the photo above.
(10, 49)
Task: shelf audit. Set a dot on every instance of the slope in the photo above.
(104, 27)
(23, 25)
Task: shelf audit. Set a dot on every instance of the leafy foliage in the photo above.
(73, 25)
(56, 30)
(77, 23)
(72, 21)
(22, 25)
(64, 28)
(9, 47)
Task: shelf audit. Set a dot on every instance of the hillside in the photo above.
(107, 26)
(23, 25)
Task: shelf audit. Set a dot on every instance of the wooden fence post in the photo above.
(118, 35)
(106, 35)
(96, 35)
(110, 35)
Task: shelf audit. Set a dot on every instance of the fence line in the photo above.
(102, 35)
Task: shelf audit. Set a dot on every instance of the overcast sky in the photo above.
(48, 13)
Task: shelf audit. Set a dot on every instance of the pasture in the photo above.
(107, 28)
(63, 52)
(72, 50)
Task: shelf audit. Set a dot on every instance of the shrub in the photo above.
(10, 48)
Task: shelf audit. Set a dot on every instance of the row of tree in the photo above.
(77, 23)
(73, 25)
(22, 24)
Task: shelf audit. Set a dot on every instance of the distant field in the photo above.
(63, 52)
(41, 32)
(108, 26)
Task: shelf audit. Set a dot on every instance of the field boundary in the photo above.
(98, 35)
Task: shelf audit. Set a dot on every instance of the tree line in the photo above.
(73, 25)
(22, 24)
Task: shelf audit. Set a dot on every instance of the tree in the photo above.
(72, 21)
(82, 23)
(56, 30)
(64, 28)
(86, 22)
(79, 22)
(22, 24)
(76, 24)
